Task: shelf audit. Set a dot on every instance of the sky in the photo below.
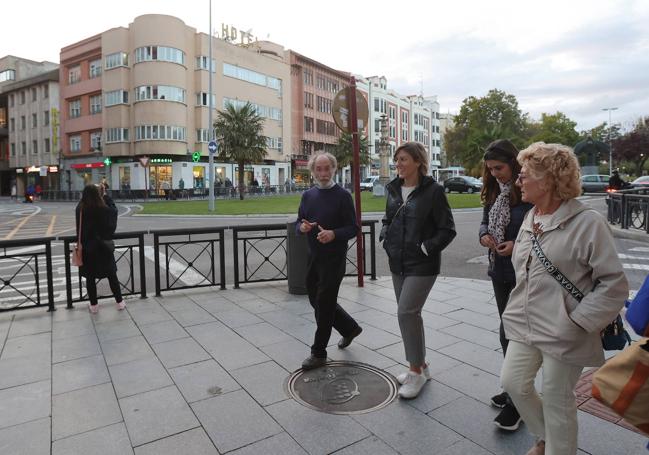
(573, 56)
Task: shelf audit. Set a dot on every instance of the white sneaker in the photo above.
(402, 377)
(412, 385)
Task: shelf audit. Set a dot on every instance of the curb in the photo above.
(638, 236)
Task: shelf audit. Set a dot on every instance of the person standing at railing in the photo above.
(96, 218)
(326, 215)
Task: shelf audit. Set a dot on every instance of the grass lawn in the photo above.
(277, 204)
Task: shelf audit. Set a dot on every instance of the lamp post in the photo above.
(209, 121)
(610, 148)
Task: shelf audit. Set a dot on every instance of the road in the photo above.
(463, 258)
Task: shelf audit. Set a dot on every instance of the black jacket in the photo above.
(501, 269)
(424, 218)
(97, 226)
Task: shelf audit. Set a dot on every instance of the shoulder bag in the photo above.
(614, 336)
(76, 257)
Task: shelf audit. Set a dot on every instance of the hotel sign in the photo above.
(231, 34)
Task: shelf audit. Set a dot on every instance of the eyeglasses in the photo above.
(521, 178)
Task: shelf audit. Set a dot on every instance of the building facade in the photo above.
(29, 102)
(142, 92)
(408, 118)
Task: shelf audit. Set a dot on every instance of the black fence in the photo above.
(187, 258)
(629, 209)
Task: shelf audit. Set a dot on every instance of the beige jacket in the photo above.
(540, 312)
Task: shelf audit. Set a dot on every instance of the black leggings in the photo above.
(502, 291)
(113, 282)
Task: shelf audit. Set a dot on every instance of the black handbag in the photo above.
(614, 336)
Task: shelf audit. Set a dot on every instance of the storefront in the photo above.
(301, 172)
(82, 174)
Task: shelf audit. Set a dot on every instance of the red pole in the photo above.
(353, 119)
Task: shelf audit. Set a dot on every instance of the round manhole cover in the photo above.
(343, 388)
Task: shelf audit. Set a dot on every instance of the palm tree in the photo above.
(239, 132)
(344, 151)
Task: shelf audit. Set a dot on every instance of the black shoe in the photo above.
(509, 419)
(346, 341)
(500, 400)
(312, 362)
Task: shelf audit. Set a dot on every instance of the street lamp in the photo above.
(610, 148)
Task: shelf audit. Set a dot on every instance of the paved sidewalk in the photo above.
(203, 372)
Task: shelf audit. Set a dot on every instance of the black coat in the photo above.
(501, 269)
(425, 218)
(97, 226)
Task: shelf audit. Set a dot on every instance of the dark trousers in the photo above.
(113, 282)
(502, 291)
(323, 279)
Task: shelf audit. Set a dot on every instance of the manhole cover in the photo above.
(343, 388)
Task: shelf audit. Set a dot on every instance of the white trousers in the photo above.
(554, 417)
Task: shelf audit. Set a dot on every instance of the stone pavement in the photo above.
(202, 372)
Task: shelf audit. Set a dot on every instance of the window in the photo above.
(202, 99)
(46, 118)
(117, 59)
(75, 108)
(46, 142)
(75, 143)
(22, 122)
(252, 76)
(22, 97)
(324, 105)
(34, 94)
(95, 140)
(160, 92)
(308, 124)
(34, 147)
(116, 97)
(308, 100)
(393, 112)
(274, 143)
(11, 100)
(13, 149)
(308, 77)
(202, 135)
(7, 75)
(377, 125)
(273, 113)
(160, 54)
(160, 132)
(95, 104)
(23, 148)
(46, 91)
(203, 62)
(12, 124)
(34, 120)
(324, 127)
(117, 135)
(94, 69)
(74, 74)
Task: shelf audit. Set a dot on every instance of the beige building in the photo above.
(29, 101)
(152, 78)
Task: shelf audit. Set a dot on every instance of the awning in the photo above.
(87, 165)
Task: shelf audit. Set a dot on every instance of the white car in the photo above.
(367, 184)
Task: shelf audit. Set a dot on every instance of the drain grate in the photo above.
(342, 387)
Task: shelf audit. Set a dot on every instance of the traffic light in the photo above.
(196, 157)
(108, 161)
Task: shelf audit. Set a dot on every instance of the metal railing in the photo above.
(129, 246)
(186, 254)
(629, 209)
(22, 264)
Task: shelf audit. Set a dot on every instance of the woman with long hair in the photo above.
(502, 218)
(96, 216)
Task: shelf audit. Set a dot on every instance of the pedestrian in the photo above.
(38, 190)
(417, 226)
(502, 217)
(569, 286)
(14, 191)
(96, 218)
(326, 215)
(615, 182)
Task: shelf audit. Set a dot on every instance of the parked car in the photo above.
(462, 184)
(594, 183)
(641, 182)
(367, 184)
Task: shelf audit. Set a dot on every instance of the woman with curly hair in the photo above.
(502, 218)
(569, 286)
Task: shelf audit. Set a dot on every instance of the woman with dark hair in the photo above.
(96, 217)
(502, 218)
(417, 226)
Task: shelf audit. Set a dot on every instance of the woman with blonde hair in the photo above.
(569, 286)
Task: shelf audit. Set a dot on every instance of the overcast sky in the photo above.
(570, 55)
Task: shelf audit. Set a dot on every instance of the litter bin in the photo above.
(297, 253)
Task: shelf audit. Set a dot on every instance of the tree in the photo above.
(239, 133)
(556, 129)
(601, 132)
(634, 145)
(482, 120)
(344, 151)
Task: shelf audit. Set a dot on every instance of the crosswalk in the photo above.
(640, 260)
(36, 225)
